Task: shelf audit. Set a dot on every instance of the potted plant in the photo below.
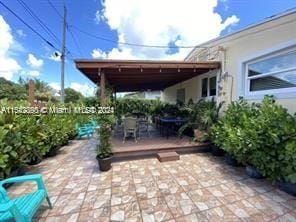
(288, 167)
(253, 172)
(104, 148)
(231, 160)
(202, 116)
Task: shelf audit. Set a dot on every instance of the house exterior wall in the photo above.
(233, 51)
(192, 89)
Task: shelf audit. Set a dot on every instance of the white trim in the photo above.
(244, 80)
(270, 73)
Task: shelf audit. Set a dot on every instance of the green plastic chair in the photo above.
(23, 208)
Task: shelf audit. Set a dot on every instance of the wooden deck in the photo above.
(150, 146)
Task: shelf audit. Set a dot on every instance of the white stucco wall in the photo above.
(258, 40)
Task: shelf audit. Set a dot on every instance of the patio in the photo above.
(198, 187)
(145, 147)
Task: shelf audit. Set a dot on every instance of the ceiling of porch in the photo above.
(143, 75)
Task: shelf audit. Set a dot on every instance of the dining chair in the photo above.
(130, 128)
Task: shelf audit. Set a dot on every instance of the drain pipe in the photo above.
(224, 74)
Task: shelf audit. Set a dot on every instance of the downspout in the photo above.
(223, 77)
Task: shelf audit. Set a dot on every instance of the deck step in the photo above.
(168, 156)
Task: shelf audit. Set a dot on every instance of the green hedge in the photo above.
(27, 138)
(260, 134)
(125, 106)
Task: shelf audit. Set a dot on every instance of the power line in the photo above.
(55, 9)
(39, 21)
(71, 33)
(30, 27)
(133, 44)
(75, 42)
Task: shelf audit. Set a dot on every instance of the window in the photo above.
(181, 95)
(204, 87)
(209, 86)
(272, 74)
(213, 84)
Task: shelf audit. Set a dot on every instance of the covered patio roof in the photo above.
(141, 75)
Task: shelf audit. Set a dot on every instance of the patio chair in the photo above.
(23, 208)
(129, 128)
(118, 128)
(84, 131)
(92, 125)
(143, 126)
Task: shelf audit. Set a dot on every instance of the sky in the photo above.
(96, 29)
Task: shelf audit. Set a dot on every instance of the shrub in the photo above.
(235, 132)
(201, 115)
(276, 130)
(26, 138)
(104, 148)
(262, 135)
(287, 160)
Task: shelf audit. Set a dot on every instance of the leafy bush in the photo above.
(287, 160)
(104, 148)
(276, 130)
(27, 138)
(262, 135)
(201, 115)
(126, 106)
(235, 132)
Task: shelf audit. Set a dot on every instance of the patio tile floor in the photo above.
(198, 187)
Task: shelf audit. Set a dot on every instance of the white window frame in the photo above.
(208, 76)
(279, 93)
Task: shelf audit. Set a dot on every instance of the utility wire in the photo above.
(75, 42)
(55, 9)
(71, 33)
(39, 21)
(30, 27)
(132, 44)
(116, 42)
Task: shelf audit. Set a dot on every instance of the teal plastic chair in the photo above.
(92, 125)
(84, 131)
(23, 208)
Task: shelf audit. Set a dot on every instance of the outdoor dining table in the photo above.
(168, 125)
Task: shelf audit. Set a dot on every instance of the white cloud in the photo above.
(8, 65)
(230, 21)
(98, 17)
(21, 33)
(154, 22)
(85, 89)
(98, 54)
(33, 73)
(56, 56)
(34, 62)
(56, 86)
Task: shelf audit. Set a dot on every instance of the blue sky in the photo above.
(173, 23)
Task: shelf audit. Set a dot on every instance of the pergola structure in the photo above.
(140, 75)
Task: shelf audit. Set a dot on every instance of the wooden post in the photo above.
(31, 97)
(102, 88)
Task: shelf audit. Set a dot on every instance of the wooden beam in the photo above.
(31, 97)
(102, 87)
